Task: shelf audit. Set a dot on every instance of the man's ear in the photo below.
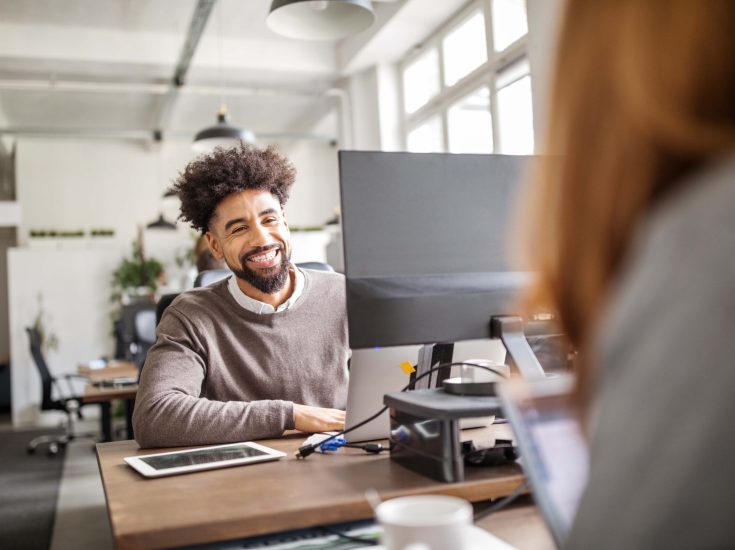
(214, 246)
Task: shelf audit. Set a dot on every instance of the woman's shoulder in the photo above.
(702, 206)
(677, 280)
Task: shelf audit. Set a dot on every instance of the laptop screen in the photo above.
(554, 454)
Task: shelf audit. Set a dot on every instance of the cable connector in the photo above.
(374, 448)
(304, 451)
(333, 444)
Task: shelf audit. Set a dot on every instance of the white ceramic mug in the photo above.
(431, 522)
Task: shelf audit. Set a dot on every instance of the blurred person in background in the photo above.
(205, 261)
(634, 240)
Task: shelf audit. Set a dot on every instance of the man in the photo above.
(260, 352)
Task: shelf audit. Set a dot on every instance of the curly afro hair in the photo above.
(207, 180)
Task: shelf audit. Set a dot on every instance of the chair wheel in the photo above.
(31, 450)
(53, 449)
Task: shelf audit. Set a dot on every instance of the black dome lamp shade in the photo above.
(320, 19)
(222, 134)
(161, 223)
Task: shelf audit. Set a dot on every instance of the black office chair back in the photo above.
(47, 381)
(162, 304)
(137, 330)
(317, 266)
(209, 276)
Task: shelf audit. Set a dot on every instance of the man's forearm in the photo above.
(175, 419)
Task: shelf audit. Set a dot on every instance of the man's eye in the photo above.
(270, 220)
(239, 229)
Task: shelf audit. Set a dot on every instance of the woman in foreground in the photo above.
(635, 244)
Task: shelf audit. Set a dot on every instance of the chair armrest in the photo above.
(69, 377)
(75, 375)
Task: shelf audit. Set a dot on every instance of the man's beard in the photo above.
(277, 276)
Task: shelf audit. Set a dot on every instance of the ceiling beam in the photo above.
(145, 135)
(199, 20)
(104, 86)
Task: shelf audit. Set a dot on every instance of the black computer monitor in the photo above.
(426, 239)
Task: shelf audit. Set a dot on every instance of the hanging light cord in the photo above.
(222, 106)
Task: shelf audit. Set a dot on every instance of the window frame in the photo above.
(484, 75)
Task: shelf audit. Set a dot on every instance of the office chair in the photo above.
(70, 404)
(137, 331)
(163, 303)
(209, 276)
(317, 266)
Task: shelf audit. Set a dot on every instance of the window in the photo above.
(426, 138)
(515, 108)
(464, 49)
(470, 124)
(468, 88)
(509, 22)
(421, 81)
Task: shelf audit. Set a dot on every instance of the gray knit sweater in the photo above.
(219, 373)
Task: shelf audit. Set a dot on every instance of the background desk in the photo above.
(105, 396)
(287, 494)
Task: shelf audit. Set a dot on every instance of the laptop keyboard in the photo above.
(314, 538)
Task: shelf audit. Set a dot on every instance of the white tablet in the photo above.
(203, 458)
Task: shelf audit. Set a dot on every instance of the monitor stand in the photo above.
(429, 356)
(510, 331)
(425, 423)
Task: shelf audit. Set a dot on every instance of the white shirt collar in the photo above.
(261, 308)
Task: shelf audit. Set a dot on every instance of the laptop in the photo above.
(373, 373)
(554, 453)
(377, 371)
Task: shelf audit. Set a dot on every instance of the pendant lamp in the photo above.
(320, 19)
(161, 223)
(221, 134)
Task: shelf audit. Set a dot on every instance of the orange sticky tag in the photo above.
(407, 367)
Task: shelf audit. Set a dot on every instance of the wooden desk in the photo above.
(264, 498)
(105, 396)
(114, 369)
(520, 525)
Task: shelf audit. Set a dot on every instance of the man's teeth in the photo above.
(264, 257)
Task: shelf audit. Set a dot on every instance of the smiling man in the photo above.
(256, 354)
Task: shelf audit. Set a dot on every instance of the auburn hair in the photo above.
(643, 94)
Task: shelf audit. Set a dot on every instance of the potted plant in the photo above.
(136, 276)
(48, 339)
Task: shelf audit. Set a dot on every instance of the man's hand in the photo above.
(317, 419)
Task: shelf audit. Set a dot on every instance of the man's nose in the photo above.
(262, 236)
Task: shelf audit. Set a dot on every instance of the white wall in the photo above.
(75, 288)
(364, 92)
(375, 108)
(82, 184)
(315, 194)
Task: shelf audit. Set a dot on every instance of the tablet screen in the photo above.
(202, 456)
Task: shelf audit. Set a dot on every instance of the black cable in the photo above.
(374, 448)
(360, 540)
(502, 503)
(306, 450)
